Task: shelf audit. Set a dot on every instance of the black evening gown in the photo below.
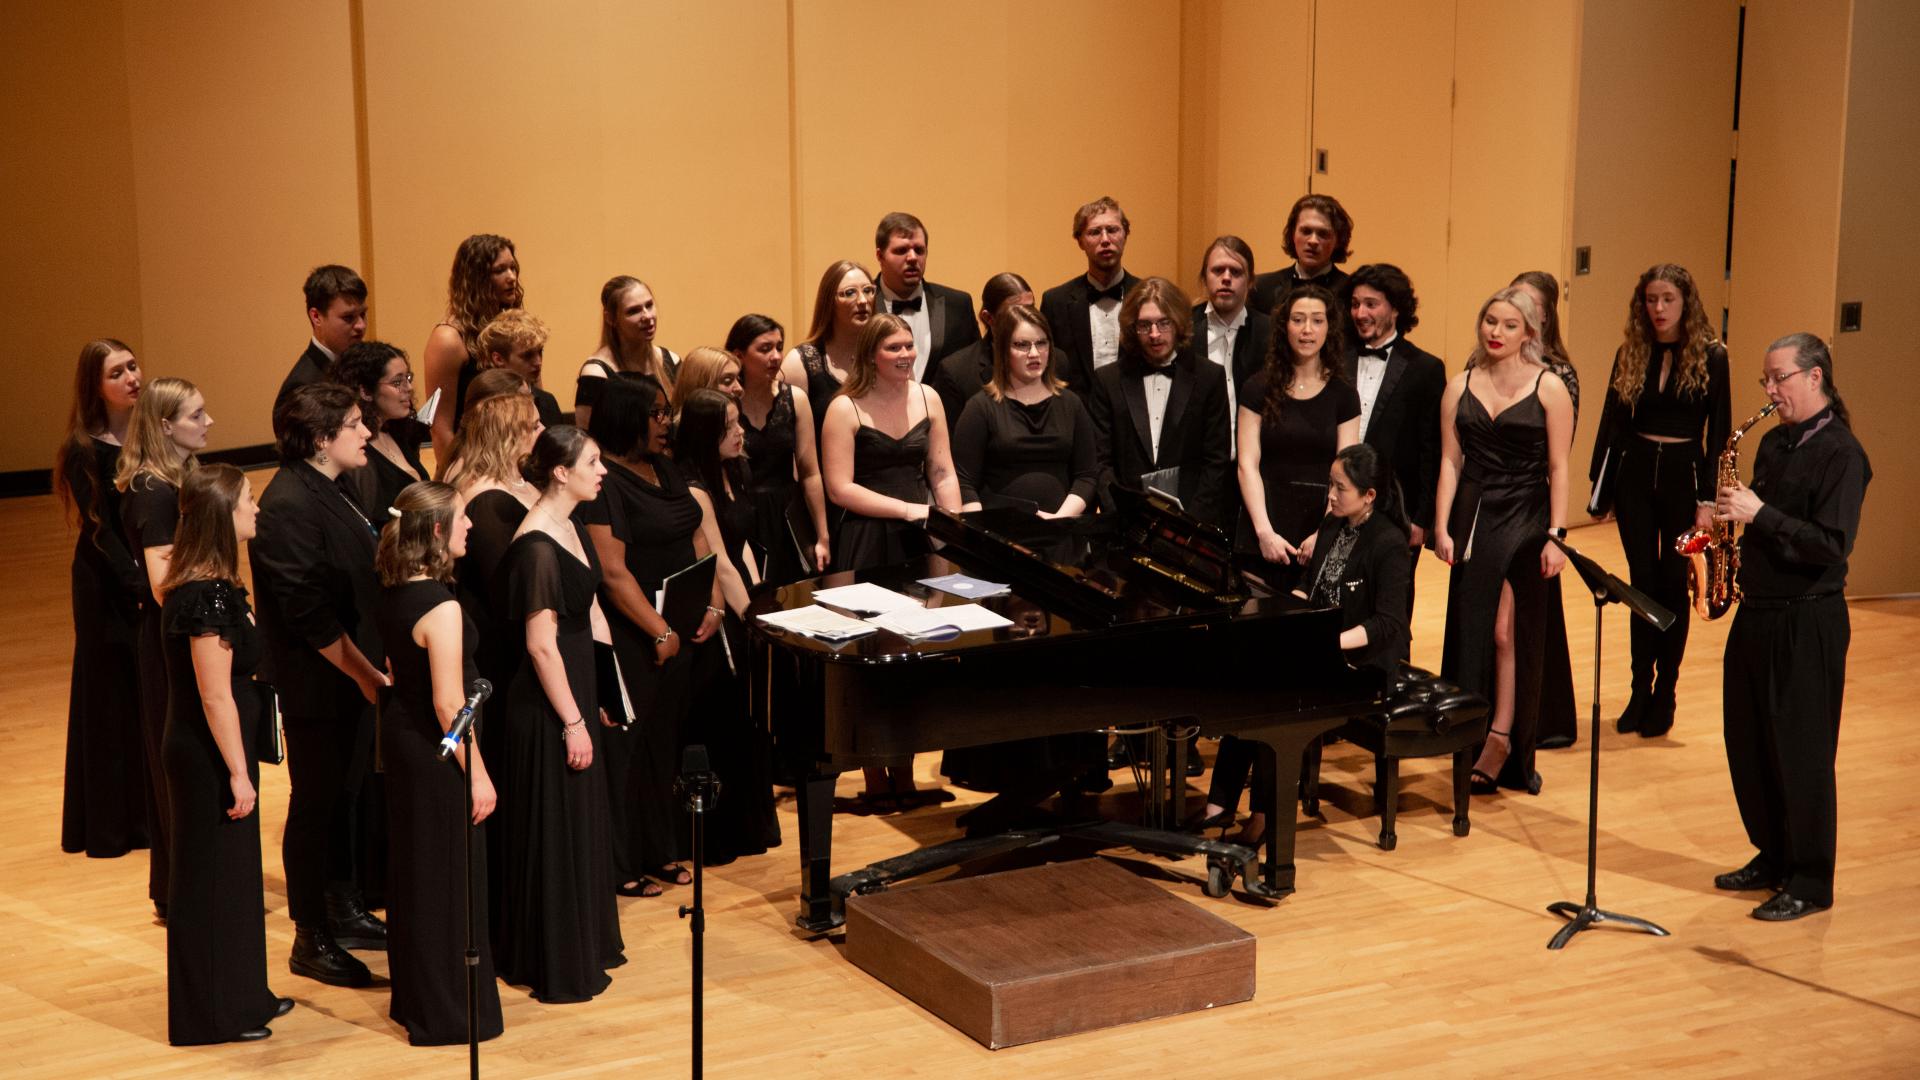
(216, 933)
(742, 821)
(560, 930)
(106, 800)
(822, 387)
(893, 467)
(377, 483)
(772, 488)
(589, 389)
(1296, 452)
(480, 581)
(427, 841)
(1559, 714)
(148, 512)
(656, 523)
(1498, 524)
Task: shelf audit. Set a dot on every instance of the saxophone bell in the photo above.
(1713, 553)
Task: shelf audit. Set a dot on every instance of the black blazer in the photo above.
(1405, 425)
(951, 316)
(1193, 435)
(1269, 287)
(960, 376)
(1065, 306)
(1249, 345)
(310, 368)
(313, 581)
(1376, 588)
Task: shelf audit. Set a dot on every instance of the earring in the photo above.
(322, 459)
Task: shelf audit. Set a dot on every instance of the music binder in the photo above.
(683, 597)
(1600, 503)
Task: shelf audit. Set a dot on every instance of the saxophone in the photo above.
(1714, 552)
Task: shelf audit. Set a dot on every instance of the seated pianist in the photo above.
(1359, 565)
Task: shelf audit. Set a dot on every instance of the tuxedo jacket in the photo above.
(1249, 345)
(1268, 288)
(313, 581)
(951, 318)
(1065, 306)
(310, 368)
(1193, 434)
(1405, 424)
(960, 376)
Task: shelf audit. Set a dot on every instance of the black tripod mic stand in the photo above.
(697, 784)
(1607, 589)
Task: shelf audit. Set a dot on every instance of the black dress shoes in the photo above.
(1658, 718)
(317, 956)
(352, 925)
(1786, 907)
(1635, 712)
(252, 1034)
(1754, 875)
(282, 1007)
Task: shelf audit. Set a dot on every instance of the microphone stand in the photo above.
(473, 949)
(1607, 589)
(701, 789)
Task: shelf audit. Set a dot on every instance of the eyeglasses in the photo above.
(1027, 346)
(658, 412)
(1148, 326)
(852, 291)
(1768, 382)
(401, 380)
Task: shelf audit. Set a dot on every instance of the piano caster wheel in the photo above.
(1389, 841)
(1219, 879)
(1460, 826)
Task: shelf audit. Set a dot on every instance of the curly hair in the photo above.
(1336, 215)
(1391, 282)
(416, 541)
(1280, 365)
(1696, 335)
(471, 302)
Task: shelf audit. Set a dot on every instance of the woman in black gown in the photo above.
(106, 802)
(430, 642)
(380, 374)
(646, 527)
(1504, 439)
(709, 447)
(169, 424)
(780, 445)
(216, 937)
(842, 305)
(884, 451)
(560, 931)
(1026, 441)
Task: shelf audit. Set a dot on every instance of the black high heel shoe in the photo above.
(1480, 782)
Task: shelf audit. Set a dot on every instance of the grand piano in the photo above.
(1135, 619)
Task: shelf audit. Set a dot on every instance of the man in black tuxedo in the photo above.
(1085, 312)
(941, 318)
(337, 311)
(1319, 233)
(966, 373)
(1159, 407)
(1225, 329)
(1400, 387)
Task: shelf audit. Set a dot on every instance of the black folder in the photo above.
(683, 598)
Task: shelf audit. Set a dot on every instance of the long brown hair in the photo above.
(1696, 337)
(205, 547)
(611, 295)
(471, 303)
(85, 417)
(416, 542)
(823, 301)
(148, 449)
(1280, 366)
(866, 366)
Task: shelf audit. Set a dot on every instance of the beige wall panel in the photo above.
(1512, 154)
(1879, 225)
(1654, 140)
(68, 264)
(574, 130)
(1247, 78)
(1383, 77)
(243, 167)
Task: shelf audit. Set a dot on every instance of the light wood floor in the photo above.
(1427, 961)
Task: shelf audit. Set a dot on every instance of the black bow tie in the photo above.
(1112, 292)
(900, 307)
(1380, 351)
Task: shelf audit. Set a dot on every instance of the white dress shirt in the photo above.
(1221, 338)
(1103, 318)
(324, 351)
(921, 322)
(1158, 385)
(1372, 372)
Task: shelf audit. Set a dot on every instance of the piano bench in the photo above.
(1428, 718)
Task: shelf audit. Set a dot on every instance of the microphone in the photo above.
(696, 780)
(463, 720)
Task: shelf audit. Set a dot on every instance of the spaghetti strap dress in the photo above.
(1498, 524)
(772, 489)
(893, 467)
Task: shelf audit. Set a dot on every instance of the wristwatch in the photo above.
(1558, 534)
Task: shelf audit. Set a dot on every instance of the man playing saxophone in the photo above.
(1786, 654)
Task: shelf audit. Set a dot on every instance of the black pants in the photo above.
(1786, 668)
(1653, 503)
(327, 766)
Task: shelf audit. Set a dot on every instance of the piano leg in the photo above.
(1288, 743)
(815, 804)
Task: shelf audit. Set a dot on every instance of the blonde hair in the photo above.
(879, 328)
(491, 436)
(1533, 349)
(509, 332)
(700, 369)
(148, 449)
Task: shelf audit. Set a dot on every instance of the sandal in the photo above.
(643, 887)
(1479, 783)
(672, 874)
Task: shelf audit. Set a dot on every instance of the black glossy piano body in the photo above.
(1112, 627)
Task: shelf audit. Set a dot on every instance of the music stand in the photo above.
(1607, 589)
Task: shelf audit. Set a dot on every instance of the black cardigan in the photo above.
(1376, 590)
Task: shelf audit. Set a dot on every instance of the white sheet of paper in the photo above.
(816, 621)
(425, 413)
(865, 598)
(920, 622)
